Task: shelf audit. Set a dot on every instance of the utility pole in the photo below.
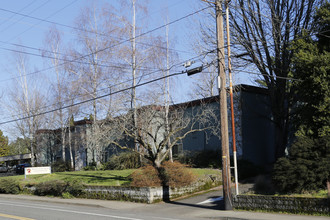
(167, 89)
(32, 150)
(133, 95)
(231, 97)
(223, 107)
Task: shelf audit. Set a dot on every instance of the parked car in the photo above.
(20, 168)
(12, 168)
(3, 169)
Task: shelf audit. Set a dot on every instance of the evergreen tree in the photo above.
(311, 66)
(4, 148)
(20, 146)
(307, 166)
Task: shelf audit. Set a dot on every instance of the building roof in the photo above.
(237, 88)
(76, 123)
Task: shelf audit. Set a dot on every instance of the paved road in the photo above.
(25, 207)
(30, 210)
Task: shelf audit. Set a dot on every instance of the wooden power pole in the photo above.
(223, 108)
(231, 98)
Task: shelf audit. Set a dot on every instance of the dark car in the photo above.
(20, 168)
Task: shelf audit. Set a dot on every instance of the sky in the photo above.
(24, 23)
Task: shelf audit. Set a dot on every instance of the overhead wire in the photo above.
(261, 74)
(22, 9)
(56, 12)
(122, 42)
(80, 29)
(162, 78)
(17, 21)
(270, 46)
(117, 65)
(118, 84)
(92, 99)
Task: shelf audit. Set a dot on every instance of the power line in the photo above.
(122, 42)
(22, 9)
(147, 32)
(46, 18)
(92, 99)
(118, 65)
(78, 29)
(279, 77)
(118, 84)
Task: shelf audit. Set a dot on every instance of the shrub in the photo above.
(75, 188)
(60, 166)
(52, 188)
(59, 188)
(306, 168)
(91, 166)
(67, 195)
(122, 161)
(145, 176)
(203, 159)
(177, 175)
(9, 186)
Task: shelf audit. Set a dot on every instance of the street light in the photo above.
(195, 70)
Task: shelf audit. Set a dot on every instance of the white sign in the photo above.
(37, 170)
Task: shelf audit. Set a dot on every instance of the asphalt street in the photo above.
(203, 206)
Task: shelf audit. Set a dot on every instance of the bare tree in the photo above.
(262, 33)
(63, 90)
(151, 134)
(265, 31)
(53, 51)
(95, 65)
(204, 43)
(205, 84)
(143, 55)
(26, 101)
(95, 52)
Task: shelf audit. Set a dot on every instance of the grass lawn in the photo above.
(319, 194)
(95, 178)
(202, 172)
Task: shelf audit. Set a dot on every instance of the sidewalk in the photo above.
(177, 208)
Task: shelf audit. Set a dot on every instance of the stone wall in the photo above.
(148, 194)
(279, 203)
(136, 194)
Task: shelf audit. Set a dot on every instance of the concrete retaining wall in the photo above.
(148, 194)
(136, 194)
(278, 203)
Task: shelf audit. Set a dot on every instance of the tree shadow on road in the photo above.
(216, 205)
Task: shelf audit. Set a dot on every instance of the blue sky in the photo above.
(24, 23)
(29, 32)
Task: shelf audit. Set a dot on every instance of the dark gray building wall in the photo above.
(202, 140)
(253, 128)
(254, 133)
(257, 127)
